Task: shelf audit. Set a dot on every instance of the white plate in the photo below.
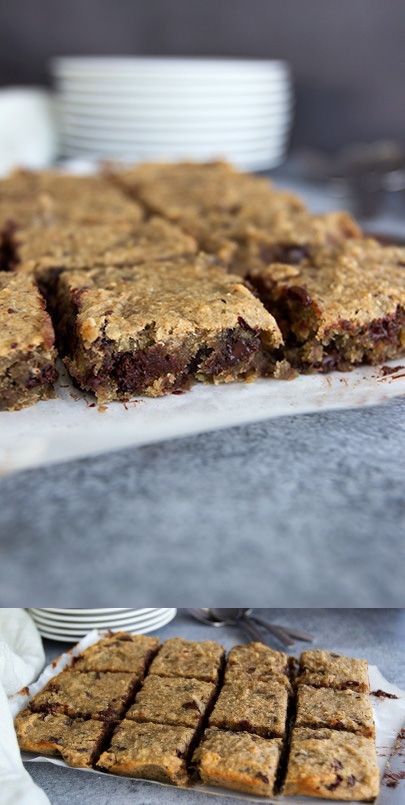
(203, 94)
(87, 611)
(73, 628)
(103, 67)
(133, 614)
(159, 143)
(59, 636)
(217, 131)
(66, 627)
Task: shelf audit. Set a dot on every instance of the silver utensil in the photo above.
(244, 616)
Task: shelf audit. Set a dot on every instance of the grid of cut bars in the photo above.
(326, 297)
(181, 712)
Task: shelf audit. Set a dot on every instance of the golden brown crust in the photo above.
(185, 658)
(119, 651)
(39, 250)
(345, 710)
(327, 669)
(167, 700)
(257, 707)
(157, 327)
(332, 765)
(238, 761)
(256, 662)
(27, 354)
(149, 751)
(78, 742)
(96, 695)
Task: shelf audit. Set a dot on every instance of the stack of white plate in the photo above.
(170, 108)
(69, 625)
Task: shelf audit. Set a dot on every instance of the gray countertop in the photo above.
(377, 635)
(298, 511)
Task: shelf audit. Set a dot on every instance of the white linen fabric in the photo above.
(21, 659)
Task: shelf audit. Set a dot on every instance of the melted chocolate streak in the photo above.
(392, 779)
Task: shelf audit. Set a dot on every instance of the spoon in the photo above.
(243, 615)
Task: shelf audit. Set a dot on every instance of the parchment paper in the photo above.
(389, 717)
(73, 426)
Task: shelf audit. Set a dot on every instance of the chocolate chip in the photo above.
(336, 764)
(301, 293)
(262, 776)
(351, 780)
(333, 786)
(190, 706)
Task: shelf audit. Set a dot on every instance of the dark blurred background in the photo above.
(348, 56)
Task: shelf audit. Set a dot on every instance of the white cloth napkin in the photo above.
(21, 659)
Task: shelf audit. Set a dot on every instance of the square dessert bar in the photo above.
(238, 761)
(155, 328)
(346, 710)
(149, 751)
(27, 354)
(168, 700)
(333, 765)
(102, 696)
(338, 307)
(46, 251)
(325, 669)
(78, 742)
(53, 197)
(283, 236)
(119, 651)
(257, 662)
(260, 708)
(185, 658)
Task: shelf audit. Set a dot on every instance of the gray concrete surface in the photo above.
(377, 635)
(298, 511)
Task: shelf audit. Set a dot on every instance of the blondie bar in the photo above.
(346, 710)
(257, 662)
(149, 751)
(185, 658)
(102, 696)
(27, 354)
(239, 761)
(260, 708)
(331, 764)
(338, 307)
(119, 651)
(44, 251)
(168, 700)
(78, 742)
(325, 669)
(157, 327)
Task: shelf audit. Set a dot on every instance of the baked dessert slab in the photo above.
(27, 354)
(170, 700)
(283, 237)
(192, 660)
(78, 742)
(44, 251)
(102, 696)
(338, 307)
(260, 708)
(346, 710)
(332, 764)
(326, 669)
(56, 197)
(120, 651)
(158, 327)
(256, 662)
(238, 761)
(149, 751)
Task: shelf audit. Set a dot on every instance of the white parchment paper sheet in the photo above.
(72, 426)
(389, 717)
